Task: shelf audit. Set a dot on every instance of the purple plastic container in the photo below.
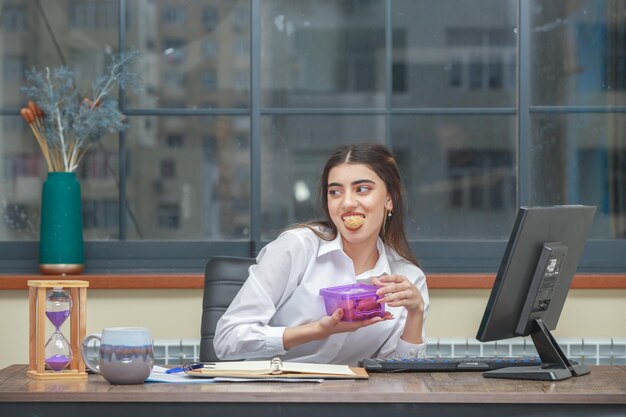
(358, 301)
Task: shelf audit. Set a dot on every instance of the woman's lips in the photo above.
(353, 221)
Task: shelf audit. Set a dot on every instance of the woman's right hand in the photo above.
(325, 327)
(332, 324)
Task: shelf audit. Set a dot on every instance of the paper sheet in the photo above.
(158, 375)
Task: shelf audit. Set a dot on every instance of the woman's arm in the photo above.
(413, 327)
(243, 331)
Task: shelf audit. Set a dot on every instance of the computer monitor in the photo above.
(532, 284)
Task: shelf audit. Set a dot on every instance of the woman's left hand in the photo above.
(398, 291)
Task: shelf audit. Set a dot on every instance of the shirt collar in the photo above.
(327, 246)
(382, 265)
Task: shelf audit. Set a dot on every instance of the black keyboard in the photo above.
(446, 364)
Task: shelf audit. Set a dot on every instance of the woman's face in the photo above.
(357, 202)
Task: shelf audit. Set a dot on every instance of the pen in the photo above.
(174, 370)
(185, 367)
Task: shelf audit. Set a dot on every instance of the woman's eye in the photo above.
(362, 189)
(333, 192)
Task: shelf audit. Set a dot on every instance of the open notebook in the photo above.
(276, 368)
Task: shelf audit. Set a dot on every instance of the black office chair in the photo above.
(223, 277)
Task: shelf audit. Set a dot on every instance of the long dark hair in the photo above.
(380, 160)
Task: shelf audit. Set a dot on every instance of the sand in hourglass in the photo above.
(58, 361)
(57, 318)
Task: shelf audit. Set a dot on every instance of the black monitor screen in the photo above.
(532, 284)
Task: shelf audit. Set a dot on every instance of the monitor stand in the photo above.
(555, 366)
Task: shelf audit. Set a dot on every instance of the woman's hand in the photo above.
(325, 327)
(332, 324)
(398, 291)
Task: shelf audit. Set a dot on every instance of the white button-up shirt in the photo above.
(282, 290)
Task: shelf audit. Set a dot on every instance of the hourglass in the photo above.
(55, 301)
(57, 352)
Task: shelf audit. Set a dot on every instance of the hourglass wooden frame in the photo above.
(37, 292)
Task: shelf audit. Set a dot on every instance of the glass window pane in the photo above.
(323, 53)
(13, 17)
(459, 173)
(195, 54)
(453, 53)
(578, 52)
(188, 178)
(23, 171)
(73, 33)
(581, 159)
(294, 150)
(51, 34)
(98, 174)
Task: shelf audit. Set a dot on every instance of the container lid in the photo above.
(349, 291)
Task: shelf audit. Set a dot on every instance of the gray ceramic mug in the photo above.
(125, 355)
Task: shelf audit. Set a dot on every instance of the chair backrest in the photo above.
(223, 277)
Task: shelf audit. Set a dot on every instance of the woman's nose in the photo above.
(349, 200)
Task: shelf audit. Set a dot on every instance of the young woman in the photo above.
(279, 311)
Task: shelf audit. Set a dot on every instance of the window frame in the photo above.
(449, 256)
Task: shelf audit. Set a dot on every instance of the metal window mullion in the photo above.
(121, 166)
(523, 104)
(186, 112)
(458, 111)
(321, 111)
(577, 109)
(389, 70)
(357, 111)
(9, 112)
(255, 126)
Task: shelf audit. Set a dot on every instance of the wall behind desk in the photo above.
(174, 314)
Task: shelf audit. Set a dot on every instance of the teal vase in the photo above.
(61, 232)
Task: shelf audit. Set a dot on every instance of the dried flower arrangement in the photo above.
(65, 125)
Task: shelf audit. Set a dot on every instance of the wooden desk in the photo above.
(603, 392)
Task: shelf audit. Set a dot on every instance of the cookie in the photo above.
(353, 222)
